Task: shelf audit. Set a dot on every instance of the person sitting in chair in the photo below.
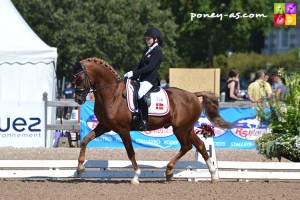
(146, 72)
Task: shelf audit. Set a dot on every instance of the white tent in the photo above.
(27, 64)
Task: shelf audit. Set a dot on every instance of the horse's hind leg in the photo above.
(185, 147)
(200, 146)
(98, 131)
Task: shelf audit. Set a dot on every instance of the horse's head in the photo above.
(93, 75)
(83, 84)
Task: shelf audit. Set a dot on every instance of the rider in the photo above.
(147, 70)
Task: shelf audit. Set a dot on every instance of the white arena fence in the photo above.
(110, 169)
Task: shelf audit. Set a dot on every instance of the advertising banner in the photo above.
(246, 128)
(22, 124)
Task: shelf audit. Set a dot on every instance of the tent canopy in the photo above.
(27, 64)
(18, 42)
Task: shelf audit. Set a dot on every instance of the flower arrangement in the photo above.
(284, 122)
(207, 130)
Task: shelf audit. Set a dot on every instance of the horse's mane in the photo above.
(104, 63)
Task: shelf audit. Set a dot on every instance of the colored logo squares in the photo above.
(285, 14)
(279, 8)
(290, 8)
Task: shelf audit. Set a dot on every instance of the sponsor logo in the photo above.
(285, 14)
(92, 122)
(20, 124)
(249, 128)
(162, 132)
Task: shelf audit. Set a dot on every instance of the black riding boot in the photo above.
(143, 107)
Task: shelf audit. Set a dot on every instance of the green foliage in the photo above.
(284, 119)
(201, 39)
(248, 63)
(111, 30)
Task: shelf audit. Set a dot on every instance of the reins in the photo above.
(106, 86)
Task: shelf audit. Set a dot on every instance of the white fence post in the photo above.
(45, 99)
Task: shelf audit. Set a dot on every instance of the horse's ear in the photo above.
(76, 67)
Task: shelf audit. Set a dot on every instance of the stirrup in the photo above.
(144, 125)
(136, 118)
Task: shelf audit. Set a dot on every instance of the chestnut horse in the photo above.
(94, 74)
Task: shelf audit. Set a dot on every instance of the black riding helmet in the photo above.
(155, 33)
(152, 32)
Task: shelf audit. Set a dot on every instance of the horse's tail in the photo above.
(210, 104)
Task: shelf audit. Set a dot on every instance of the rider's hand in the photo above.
(128, 74)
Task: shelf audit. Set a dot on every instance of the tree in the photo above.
(111, 30)
(202, 38)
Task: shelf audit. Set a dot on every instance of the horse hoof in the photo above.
(80, 172)
(215, 181)
(169, 177)
(135, 182)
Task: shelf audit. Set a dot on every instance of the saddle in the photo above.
(156, 98)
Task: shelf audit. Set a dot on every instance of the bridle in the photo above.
(82, 92)
(88, 87)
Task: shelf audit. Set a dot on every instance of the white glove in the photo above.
(128, 74)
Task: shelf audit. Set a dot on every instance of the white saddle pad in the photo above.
(159, 101)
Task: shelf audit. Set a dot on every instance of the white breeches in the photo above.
(145, 86)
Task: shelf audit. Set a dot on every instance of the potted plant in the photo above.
(283, 117)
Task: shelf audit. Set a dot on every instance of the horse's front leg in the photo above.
(131, 155)
(98, 131)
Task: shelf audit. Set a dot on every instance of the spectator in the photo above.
(282, 90)
(68, 93)
(232, 86)
(259, 89)
(267, 78)
(276, 81)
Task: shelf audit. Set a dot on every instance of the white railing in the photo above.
(65, 124)
(108, 169)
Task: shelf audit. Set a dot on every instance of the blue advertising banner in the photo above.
(246, 128)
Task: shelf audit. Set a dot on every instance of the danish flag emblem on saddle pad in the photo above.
(159, 101)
